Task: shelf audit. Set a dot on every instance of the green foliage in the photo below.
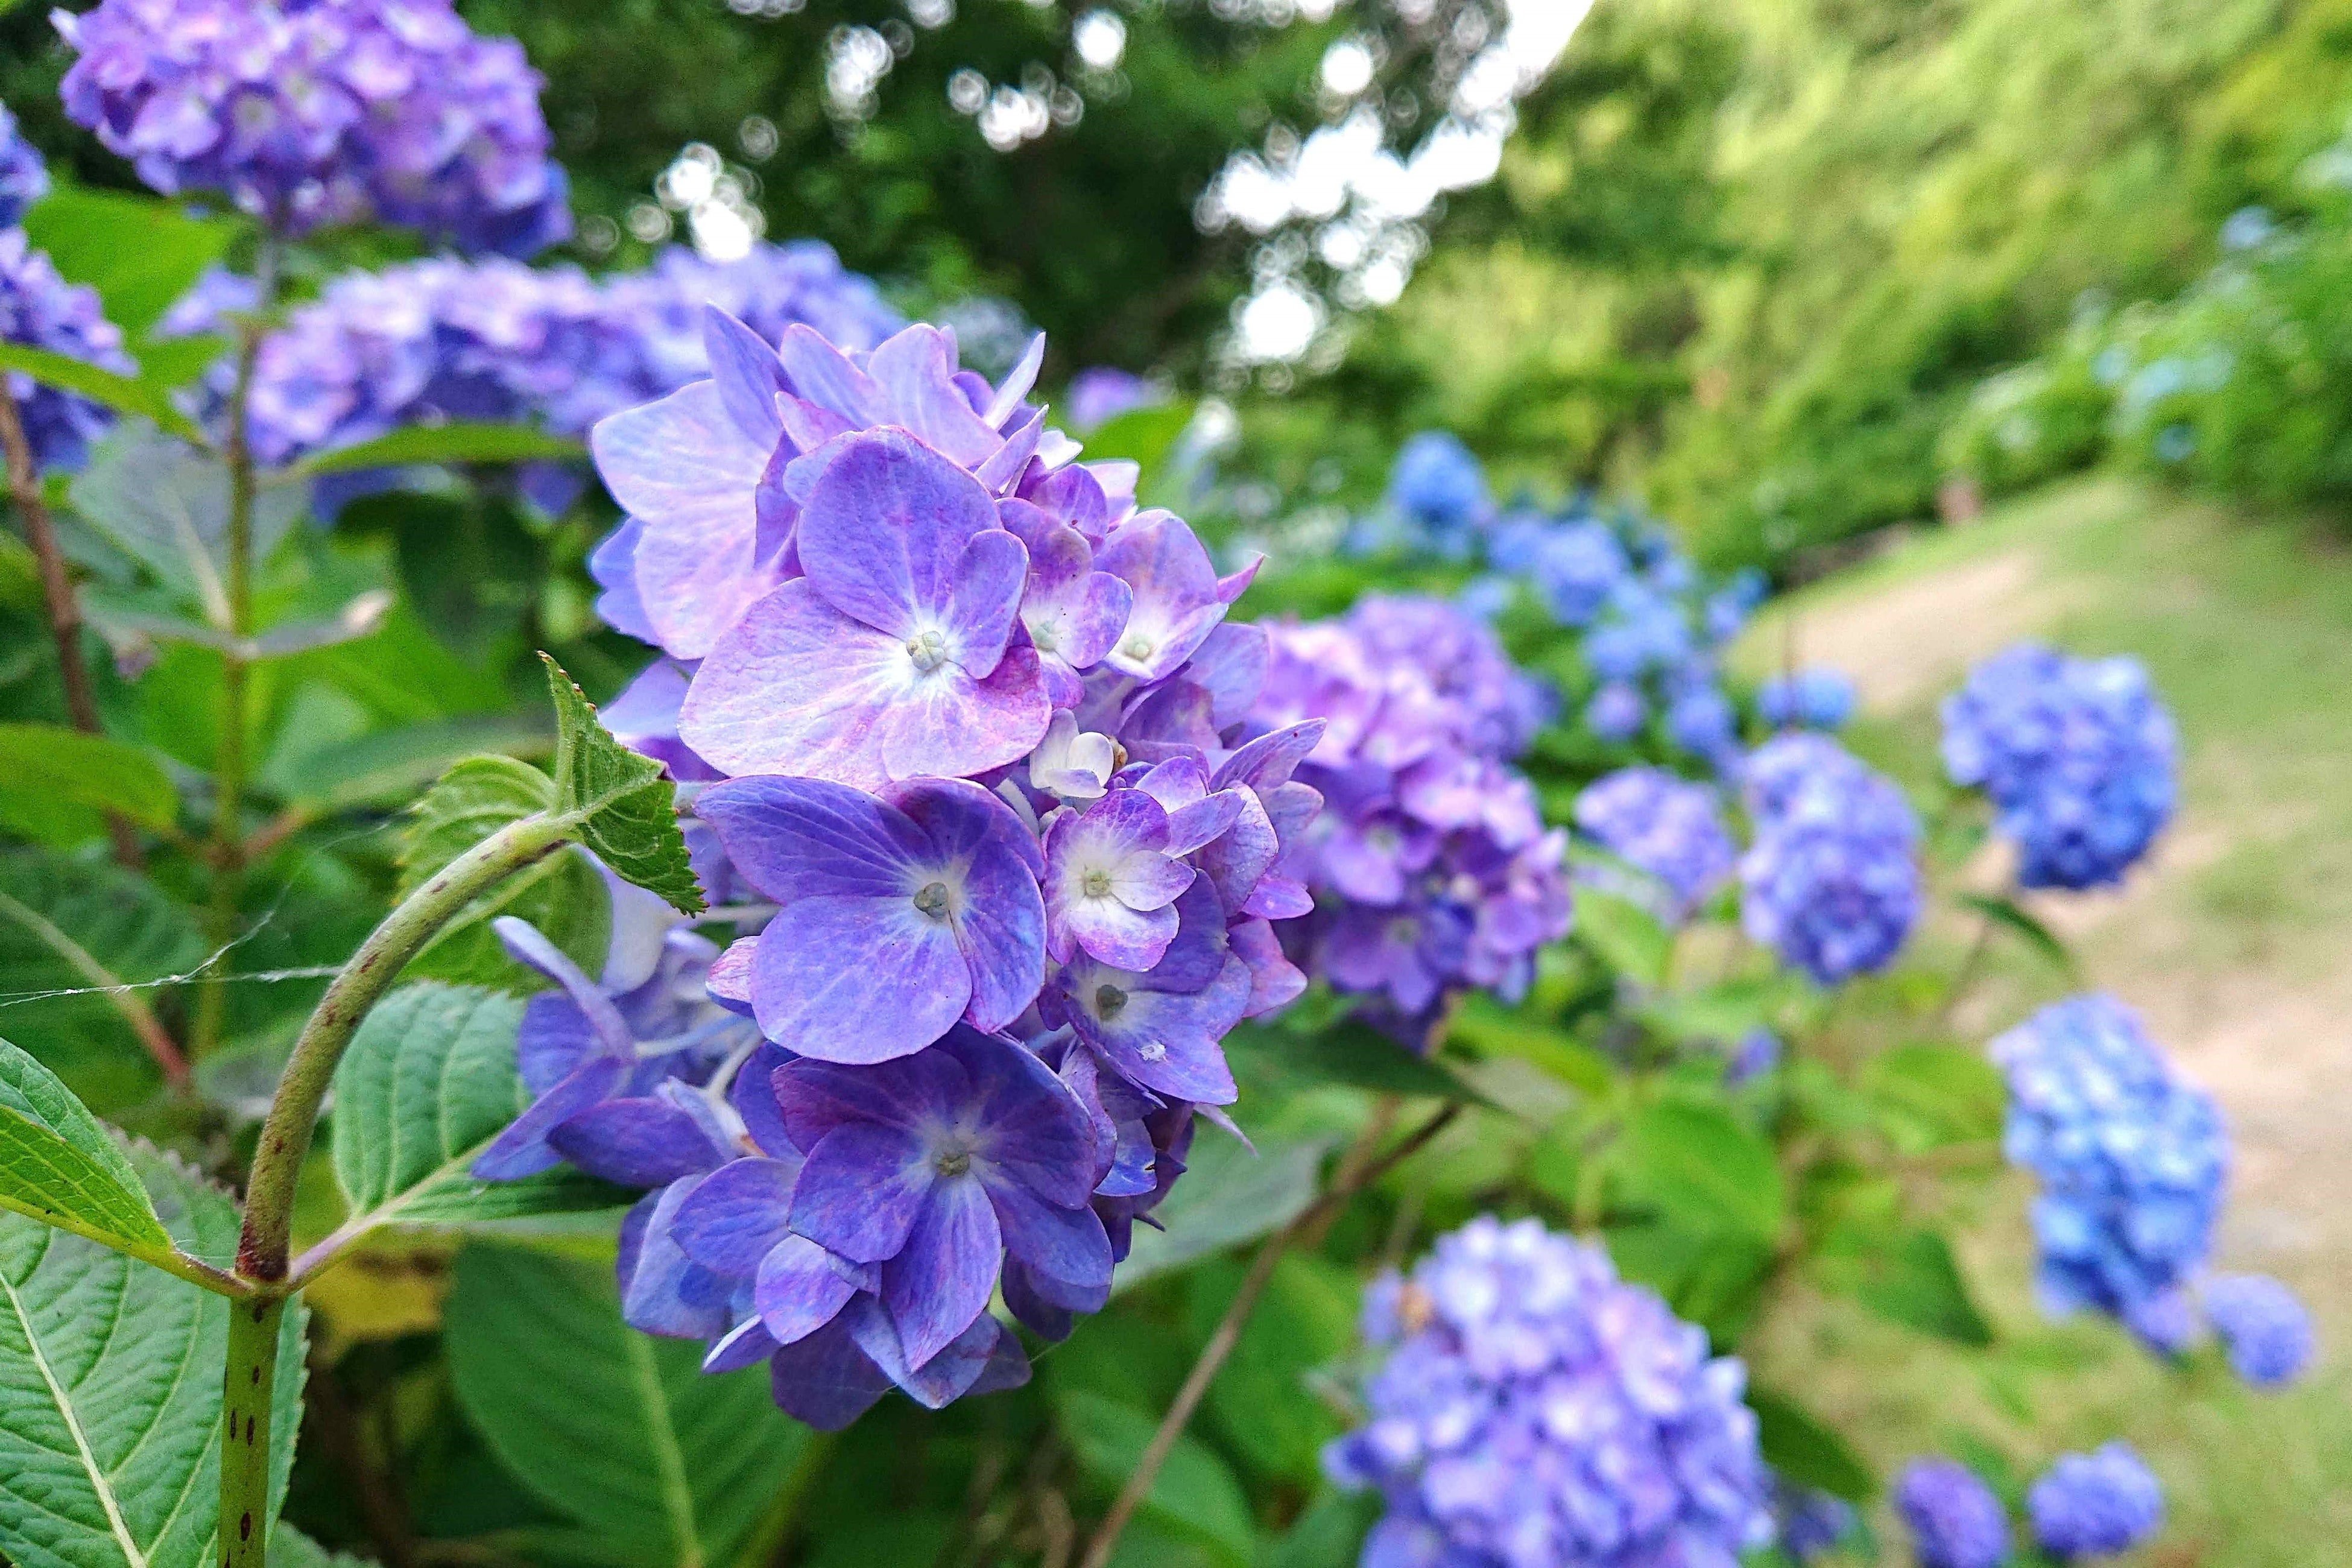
(1626, 937)
(165, 504)
(1907, 1277)
(1806, 1452)
(622, 1433)
(139, 252)
(56, 783)
(625, 804)
(458, 441)
(1194, 1495)
(562, 895)
(1230, 1194)
(60, 1166)
(111, 1393)
(125, 395)
(426, 1083)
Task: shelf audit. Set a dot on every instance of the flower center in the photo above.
(1108, 1000)
(928, 648)
(952, 1161)
(1137, 646)
(1095, 884)
(932, 899)
(1043, 638)
(1383, 839)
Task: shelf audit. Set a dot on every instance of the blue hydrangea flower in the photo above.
(1954, 1519)
(24, 178)
(1575, 567)
(2264, 1327)
(42, 311)
(2076, 754)
(997, 915)
(2095, 1505)
(2132, 1164)
(1438, 490)
(1532, 1408)
(1758, 1052)
(1700, 720)
(1616, 712)
(1432, 864)
(1830, 881)
(305, 112)
(1813, 699)
(1662, 825)
(1810, 1521)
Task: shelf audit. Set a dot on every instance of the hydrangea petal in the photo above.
(795, 686)
(884, 532)
(738, 1213)
(857, 980)
(799, 1289)
(861, 1191)
(939, 1283)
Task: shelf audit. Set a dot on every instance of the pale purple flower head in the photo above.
(42, 311)
(24, 178)
(305, 112)
(1534, 1409)
(1100, 393)
(1662, 825)
(1832, 880)
(1953, 1518)
(2094, 1504)
(2265, 1329)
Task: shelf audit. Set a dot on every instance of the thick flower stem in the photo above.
(245, 1430)
(1356, 1170)
(58, 598)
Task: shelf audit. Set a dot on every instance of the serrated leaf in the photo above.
(1193, 1493)
(628, 811)
(56, 783)
(123, 393)
(622, 1432)
(1700, 1169)
(165, 504)
(58, 1163)
(427, 1082)
(1229, 1196)
(1622, 935)
(111, 1391)
(459, 441)
(563, 894)
(139, 252)
(71, 930)
(1805, 1451)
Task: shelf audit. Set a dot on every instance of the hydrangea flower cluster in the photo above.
(1663, 825)
(1534, 1409)
(432, 340)
(306, 113)
(1953, 1518)
(1437, 496)
(1431, 867)
(24, 178)
(2132, 1164)
(1815, 697)
(2076, 756)
(975, 728)
(1831, 880)
(2265, 1330)
(1810, 1521)
(2095, 1505)
(39, 309)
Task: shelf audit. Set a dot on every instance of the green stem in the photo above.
(246, 1392)
(261, 1251)
(227, 850)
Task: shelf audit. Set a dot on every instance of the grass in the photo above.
(2231, 942)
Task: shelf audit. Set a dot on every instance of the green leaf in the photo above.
(1228, 1195)
(289, 1548)
(562, 895)
(2016, 919)
(72, 932)
(120, 393)
(1807, 1452)
(140, 253)
(1906, 1276)
(624, 1433)
(167, 505)
(383, 766)
(1193, 1493)
(1714, 1278)
(1329, 1534)
(1485, 1026)
(1700, 1169)
(1622, 935)
(628, 810)
(1262, 1402)
(111, 1394)
(56, 783)
(1145, 436)
(58, 1163)
(459, 441)
(1930, 1096)
(1347, 1052)
(427, 1082)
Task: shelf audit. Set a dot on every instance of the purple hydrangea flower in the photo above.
(1616, 712)
(2132, 1164)
(1100, 393)
(2095, 1504)
(1532, 1408)
(1662, 825)
(1433, 865)
(42, 311)
(24, 178)
(2264, 1328)
(1700, 721)
(1953, 1518)
(1758, 1052)
(1830, 881)
(1812, 699)
(1810, 1521)
(305, 112)
(2076, 756)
